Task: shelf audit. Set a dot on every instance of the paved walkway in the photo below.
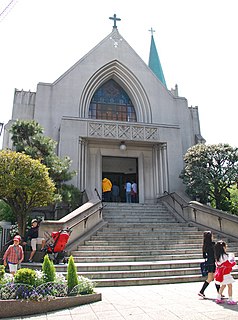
(157, 302)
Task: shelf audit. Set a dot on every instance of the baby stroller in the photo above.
(55, 245)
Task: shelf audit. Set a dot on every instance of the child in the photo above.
(14, 255)
(223, 271)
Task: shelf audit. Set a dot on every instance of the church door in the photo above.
(120, 170)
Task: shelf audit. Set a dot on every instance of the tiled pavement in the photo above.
(157, 302)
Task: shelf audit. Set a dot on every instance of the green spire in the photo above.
(154, 61)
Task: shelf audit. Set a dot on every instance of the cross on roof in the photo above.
(151, 30)
(115, 19)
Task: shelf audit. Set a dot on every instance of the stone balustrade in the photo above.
(203, 215)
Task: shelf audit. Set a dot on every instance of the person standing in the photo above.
(115, 192)
(134, 192)
(14, 255)
(128, 192)
(106, 189)
(223, 272)
(209, 255)
(33, 235)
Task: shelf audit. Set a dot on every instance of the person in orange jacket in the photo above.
(106, 189)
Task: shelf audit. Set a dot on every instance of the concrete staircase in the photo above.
(142, 244)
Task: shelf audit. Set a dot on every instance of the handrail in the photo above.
(170, 195)
(86, 217)
(193, 205)
(79, 222)
(174, 199)
(202, 215)
(96, 190)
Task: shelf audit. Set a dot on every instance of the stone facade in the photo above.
(164, 129)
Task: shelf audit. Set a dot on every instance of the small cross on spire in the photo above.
(151, 30)
(115, 19)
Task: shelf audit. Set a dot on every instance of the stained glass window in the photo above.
(111, 102)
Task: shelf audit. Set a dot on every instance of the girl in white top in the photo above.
(223, 271)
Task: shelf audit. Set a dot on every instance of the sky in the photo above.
(196, 41)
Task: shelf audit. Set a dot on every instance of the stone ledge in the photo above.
(17, 308)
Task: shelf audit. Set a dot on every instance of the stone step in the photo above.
(129, 258)
(130, 266)
(141, 244)
(143, 232)
(147, 227)
(142, 241)
(144, 237)
(141, 220)
(127, 214)
(136, 246)
(149, 224)
(149, 252)
(95, 275)
(137, 273)
(150, 280)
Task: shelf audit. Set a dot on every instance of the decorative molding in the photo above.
(120, 131)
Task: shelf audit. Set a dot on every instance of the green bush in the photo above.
(234, 199)
(48, 269)
(72, 277)
(26, 276)
(6, 212)
(85, 286)
(2, 272)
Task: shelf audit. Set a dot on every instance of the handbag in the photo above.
(204, 268)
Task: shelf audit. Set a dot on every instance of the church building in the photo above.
(113, 115)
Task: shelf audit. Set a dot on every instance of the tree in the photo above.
(209, 172)
(72, 277)
(24, 184)
(234, 199)
(6, 212)
(48, 269)
(27, 137)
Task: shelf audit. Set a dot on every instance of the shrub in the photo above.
(72, 277)
(39, 278)
(60, 278)
(25, 276)
(7, 278)
(2, 272)
(6, 212)
(48, 269)
(86, 286)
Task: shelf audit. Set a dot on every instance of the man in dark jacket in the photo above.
(32, 235)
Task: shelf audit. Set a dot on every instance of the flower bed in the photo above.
(17, 308)
(31, 291)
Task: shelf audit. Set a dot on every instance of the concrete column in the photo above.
(86, 163)
(156, 169)
(79, 176)
(98, 175)
(165, 167)
(82, 164)
(161, 171)
(141, 178)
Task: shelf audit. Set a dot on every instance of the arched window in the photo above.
(111, 102)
